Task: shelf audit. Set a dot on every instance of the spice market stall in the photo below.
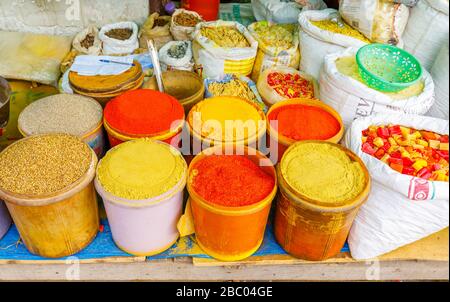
(253, 141)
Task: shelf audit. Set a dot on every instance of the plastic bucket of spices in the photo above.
(296, 120)
(187, 87)
(143, 113)
(230, 200)
(322, 186)
(47, 184)
(5, 220)
(224, 120)
(65, 113)
(142, 184)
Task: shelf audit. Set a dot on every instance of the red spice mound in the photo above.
(142, 112)
(231, 181)
(302, 122)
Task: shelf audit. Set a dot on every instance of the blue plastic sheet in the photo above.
(103, 247)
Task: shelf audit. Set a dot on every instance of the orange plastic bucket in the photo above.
(230, 233)
(310, 229)
(284, 142)
(126, 119)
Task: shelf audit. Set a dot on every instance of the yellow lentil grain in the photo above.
(42, 165)
(347, 30)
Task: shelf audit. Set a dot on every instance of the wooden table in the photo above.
(184, 270)
(426, 259)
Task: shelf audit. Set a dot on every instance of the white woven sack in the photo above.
(212, 58)
(279, 11)
(401, 209)
(117, 47)
(427, 30)
(179, 32)
(353, 99)
(168, 63)
(316, 43)
(440, 75)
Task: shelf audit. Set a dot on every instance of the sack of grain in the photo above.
(282, 11)
(380, 21)
(278, 46)
(88, 42)
(319, 37)
(401, 209)
(176, 55)
(119, 38)
(298, 85)
(156, 28)
(342, 88)
(439, 72)
(183, 24)
(427, 30)
(224, 47)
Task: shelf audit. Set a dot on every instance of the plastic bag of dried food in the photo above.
(232, 85)
(156, 28)
(120, 38)
(427, 30)
(283, 11)
(183, 24)
(381, 21)
(88, 42)
(280, 83)
(32, 57)
(402, 209)
(278, 46)
(176, 55)
(223, 47)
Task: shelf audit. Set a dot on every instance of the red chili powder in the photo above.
(302, 122)
(142, 112)
(231, 181)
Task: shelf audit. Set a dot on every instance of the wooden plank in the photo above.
(83, 261)
(432, 248)
(185, 271)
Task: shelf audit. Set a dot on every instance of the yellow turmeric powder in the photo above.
(141, 169)
(323, 172)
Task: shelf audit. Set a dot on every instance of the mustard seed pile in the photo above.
(61, 113)
(44, 164)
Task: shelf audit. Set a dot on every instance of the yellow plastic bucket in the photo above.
(59, 224)
(251, 139)
(230, 233)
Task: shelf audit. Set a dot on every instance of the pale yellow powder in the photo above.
(141, 169)
(323, 172)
